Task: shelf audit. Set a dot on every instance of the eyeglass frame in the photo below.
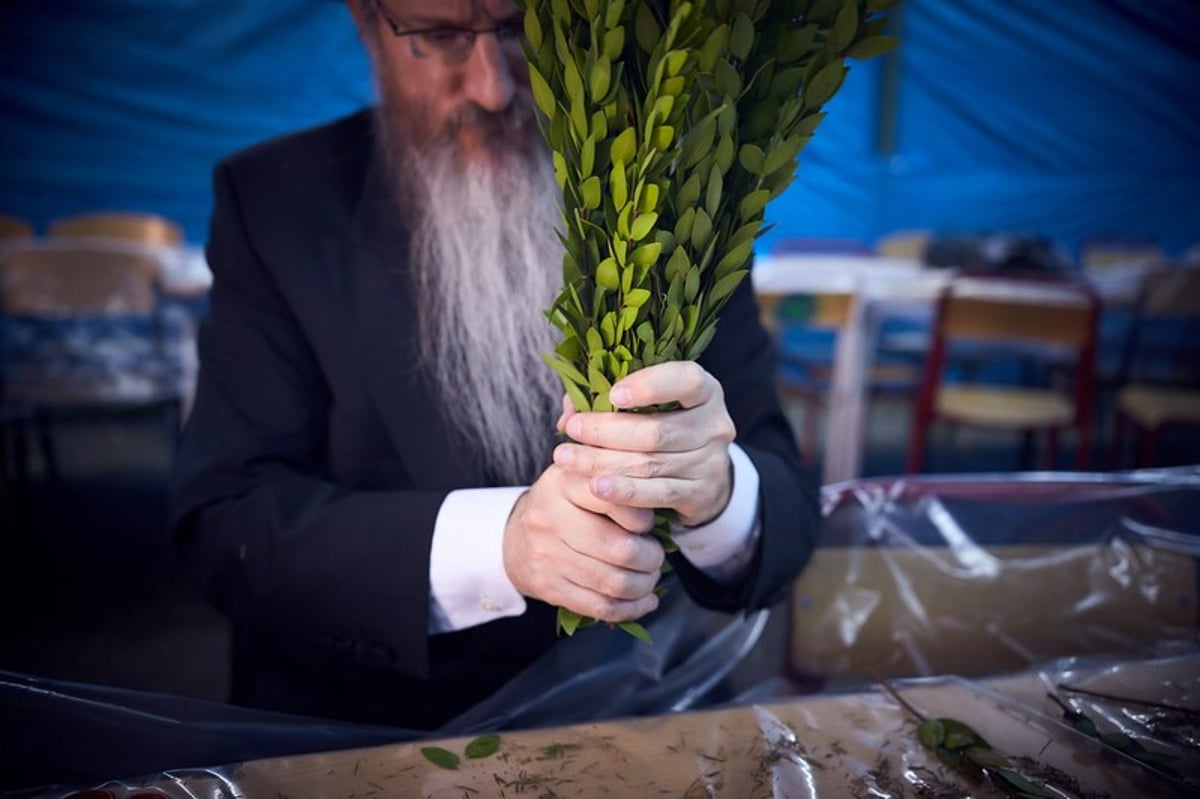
(472, 33)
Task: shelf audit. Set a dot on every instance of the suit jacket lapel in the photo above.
(370, 265)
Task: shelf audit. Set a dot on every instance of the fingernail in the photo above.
(603, 486)
(564, 456)
(574, 427)
(619, 396)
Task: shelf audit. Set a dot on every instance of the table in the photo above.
(841, 745)
(881, 288)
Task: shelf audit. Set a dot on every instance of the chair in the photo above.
(1104, 252)
(81, 334)
(1159, 376)
(141, 228)
(805, 245)
(908, 244)
(14, 228)
(1043, 320)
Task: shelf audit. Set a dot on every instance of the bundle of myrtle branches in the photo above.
(672, 125)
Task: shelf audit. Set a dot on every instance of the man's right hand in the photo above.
(565, 547)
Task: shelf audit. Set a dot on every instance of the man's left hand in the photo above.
(674, 459)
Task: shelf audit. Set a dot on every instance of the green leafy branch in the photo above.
(1156, 761)
(672, 124)
(961, 748)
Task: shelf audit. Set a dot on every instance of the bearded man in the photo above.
(369, 483)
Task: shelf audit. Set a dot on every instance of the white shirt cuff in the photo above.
(724, 548)
(468, 585)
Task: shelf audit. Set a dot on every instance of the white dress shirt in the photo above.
(468, 583)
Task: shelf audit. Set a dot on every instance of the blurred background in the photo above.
(1060, 138)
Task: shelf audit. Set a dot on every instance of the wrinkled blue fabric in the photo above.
(1066, 120)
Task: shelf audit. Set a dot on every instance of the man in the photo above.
(369, 483)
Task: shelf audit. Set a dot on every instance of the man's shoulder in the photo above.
(332, 146)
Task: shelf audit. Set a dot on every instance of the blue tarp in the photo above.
(1069, 119)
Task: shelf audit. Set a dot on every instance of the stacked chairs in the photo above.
(82, 335)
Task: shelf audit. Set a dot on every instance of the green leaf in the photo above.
(646, 254)
(482, 746)
(754, 203)
(624, 147)
(564, 369)
(712, 197)
(646, 28)
(931, 733)
(614, 43)
(689, 192)
(578, 398)
(542, 94)
(725, 286)
(701, 229)
(676, 59)
(663, 136)
(727, 80)
(636, 630)
(440, 757)
(601, 76)
(533, 30)
(733, 259)
(568, 621)
(751, 158)
(636, 298)
(618, 187)
(824, 84)
(591, 192)
(845, 25)
(1027, 788)
(641, 226)
(715, 47)
(612, 14)
(741, 39)
(872, 47)
(648, 201)
(587, 157)
(607, 274)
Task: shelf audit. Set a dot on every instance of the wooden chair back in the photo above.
(14, 228)
(148, 229)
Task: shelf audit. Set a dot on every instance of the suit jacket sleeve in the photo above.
(742, 359)
(272, 539)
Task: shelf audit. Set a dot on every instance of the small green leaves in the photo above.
(483, 746)
(440, 757)
(671, 127)
(636, 630)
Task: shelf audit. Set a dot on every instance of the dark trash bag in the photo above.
(60, 735)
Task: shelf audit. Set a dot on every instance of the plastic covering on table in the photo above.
(863, 744)
(71, 734)
(976, 575)
(970, 575)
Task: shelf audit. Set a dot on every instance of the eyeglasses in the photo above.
(453, 45)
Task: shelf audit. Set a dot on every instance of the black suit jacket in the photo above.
(315, 460)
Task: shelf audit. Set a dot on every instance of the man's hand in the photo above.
(567, 547)
(677, 459)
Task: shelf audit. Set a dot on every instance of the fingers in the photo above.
(685, 382)
(563, 554)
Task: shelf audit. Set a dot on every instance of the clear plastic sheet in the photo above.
(986, 576)
(69, 734)
(847, 745)
(977, 575)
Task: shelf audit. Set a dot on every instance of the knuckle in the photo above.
(652, 467)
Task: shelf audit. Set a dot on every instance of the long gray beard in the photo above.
(486, 262)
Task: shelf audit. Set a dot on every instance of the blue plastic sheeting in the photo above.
(129, 103)
(1069, 119)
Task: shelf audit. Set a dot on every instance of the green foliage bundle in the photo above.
(672, 125)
